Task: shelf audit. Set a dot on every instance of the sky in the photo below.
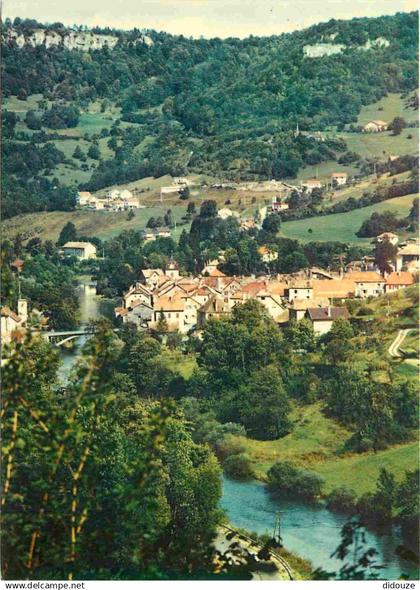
(207, 18)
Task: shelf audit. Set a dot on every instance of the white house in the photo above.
(300, 289)
(82, 250)
(225, 213)
(408, 257)
(310, 184)
(322, 318)
(367, 284)
(11, 322)
(339, 178)
(375, 127)
(83, 198)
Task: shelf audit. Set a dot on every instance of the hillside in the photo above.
(343, 226)
(155, 104)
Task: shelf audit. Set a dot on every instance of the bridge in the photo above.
(60, 338)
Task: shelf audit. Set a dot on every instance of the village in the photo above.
(164, 301)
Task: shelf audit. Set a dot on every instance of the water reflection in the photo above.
(309, 530)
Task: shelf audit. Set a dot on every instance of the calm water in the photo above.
(91, 307)
(309, 530)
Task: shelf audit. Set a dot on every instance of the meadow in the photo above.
(343, 226)
(317, 443)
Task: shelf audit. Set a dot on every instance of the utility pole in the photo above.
(277, 530)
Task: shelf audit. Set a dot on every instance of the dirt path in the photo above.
(393, 350)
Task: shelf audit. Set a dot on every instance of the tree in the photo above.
(338, 342)
(265, 406)
(397, 125)
(67, 234)
(96, 475)
(94, 152)
(22, 94)
(208, 209)
(151, 222)
(131, 215)
(271, 223)
(191, 208)
(168, 218)
(385, 253)
(78, 153)
(162, 325)
(184, 193)
(33, 121)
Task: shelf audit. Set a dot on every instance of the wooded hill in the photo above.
(227, 108)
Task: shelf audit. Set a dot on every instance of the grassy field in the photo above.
(316, 443)
(382, 145)
(102, 224)
(386, 109)
(343, 226)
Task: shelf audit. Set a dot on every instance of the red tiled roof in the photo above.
(400, 278)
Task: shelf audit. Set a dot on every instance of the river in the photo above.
(308, 530)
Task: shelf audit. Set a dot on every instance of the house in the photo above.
(17, 265)
(138, 312)
(408, 256)
(300, 289)
(247, 224)
(83, 198)
(278, 204)
(387, 237)
(225, 213)
(172, 270)
(267, 255)
(82, 250)
(311, 184)
(322, 318)
(338, 178)
(272, 303)
(375, 127)
(334, 289)
(12, 322)
(210, 266)
(367, 284)
(163, 232)
(151, 276)
(398, 280)
(137, 293)
(299, 307)
(216, 308)
(169, 309)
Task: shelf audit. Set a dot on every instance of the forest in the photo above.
(227, 108)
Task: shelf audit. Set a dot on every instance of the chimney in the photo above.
(329, 311)
(23, 309)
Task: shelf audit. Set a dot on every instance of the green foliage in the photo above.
(238, 466)
(190, 98)
(67, 234)
(102, 485)
(379, 223)
(286, 478)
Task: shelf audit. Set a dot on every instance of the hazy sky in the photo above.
(209, 18)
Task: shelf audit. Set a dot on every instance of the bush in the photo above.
(342, 500)
(238, 466)
(290, 480)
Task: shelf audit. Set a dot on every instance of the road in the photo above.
(393, 350)
(282, 569)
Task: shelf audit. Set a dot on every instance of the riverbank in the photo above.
(317, 443)
(308, 530)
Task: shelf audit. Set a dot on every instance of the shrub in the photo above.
(286, 478)
(238, 466)
(342, 500)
